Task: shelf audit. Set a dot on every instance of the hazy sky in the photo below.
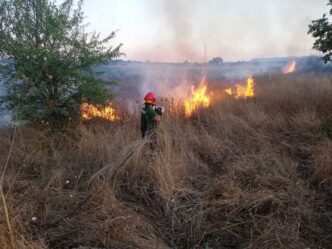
(176, 30)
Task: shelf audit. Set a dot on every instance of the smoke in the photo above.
(176, 18)
(234, 30)
(176, 31)
(5, 116)
(166, 80)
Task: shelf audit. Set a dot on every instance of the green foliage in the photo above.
(47, 59)
(321, 30)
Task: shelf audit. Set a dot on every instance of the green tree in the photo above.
(48, 58)
(321, 30)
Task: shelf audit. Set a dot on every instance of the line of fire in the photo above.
(198, 98)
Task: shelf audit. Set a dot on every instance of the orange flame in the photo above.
(229, 91)
(198, 99)
(90, 111)
(290, 68)
(243, 91)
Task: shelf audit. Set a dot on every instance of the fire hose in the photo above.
(33, 226)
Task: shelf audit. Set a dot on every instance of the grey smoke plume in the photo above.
(234, 30)
(177, 19)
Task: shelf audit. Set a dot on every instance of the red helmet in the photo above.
(150, 98)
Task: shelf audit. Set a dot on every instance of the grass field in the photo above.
(253, 173)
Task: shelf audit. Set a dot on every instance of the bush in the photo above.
(47, 60)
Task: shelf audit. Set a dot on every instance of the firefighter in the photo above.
(150, 118)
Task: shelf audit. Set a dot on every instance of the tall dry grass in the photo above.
(242, 174)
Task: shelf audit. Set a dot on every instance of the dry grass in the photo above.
(242, 174)
(323, 162)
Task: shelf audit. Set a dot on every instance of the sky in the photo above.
(198, 30)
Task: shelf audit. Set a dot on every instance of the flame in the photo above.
(290, 68)
(243, 91)
(229, 91)
(90, 111)
(198, 99)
